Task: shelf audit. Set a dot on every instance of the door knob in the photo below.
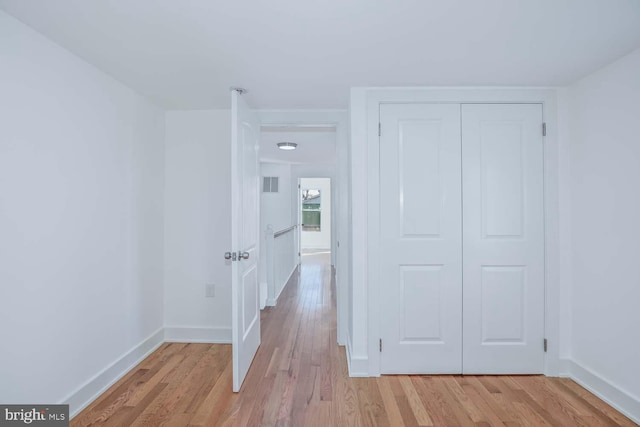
(230, 255)
(243, 255)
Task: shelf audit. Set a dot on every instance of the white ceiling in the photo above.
(315, 145)
(302, 54)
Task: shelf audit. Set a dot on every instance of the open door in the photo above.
(299, 222)
(245, 218)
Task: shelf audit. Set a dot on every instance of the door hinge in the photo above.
(379, 129)
(380, 344)
(545, 345)
(298, 186)
(544, 129)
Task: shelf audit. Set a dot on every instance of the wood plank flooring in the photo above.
(299, 378)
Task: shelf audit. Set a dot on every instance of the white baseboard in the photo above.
(197, 335)
(284, 285)
(92, 389)
(341, 340)
(358, 366)
(272, 302)
(620, 399)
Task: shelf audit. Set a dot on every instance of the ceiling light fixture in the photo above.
(287, 145)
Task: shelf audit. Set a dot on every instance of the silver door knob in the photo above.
(243, 255)
(230, 255)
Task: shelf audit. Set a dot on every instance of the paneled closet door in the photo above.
(503, 239)
(421, 238)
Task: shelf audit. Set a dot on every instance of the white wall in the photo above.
(275, 210)
(197, 225)
(318, 239)
(81, 235)
(565, 220)
(605, 219)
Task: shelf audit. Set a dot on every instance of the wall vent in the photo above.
(269, 184)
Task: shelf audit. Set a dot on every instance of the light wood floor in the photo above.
(299, 378)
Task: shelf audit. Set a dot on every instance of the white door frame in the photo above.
(365, 105)
(340, 195)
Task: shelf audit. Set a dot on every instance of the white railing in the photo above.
(281, 260)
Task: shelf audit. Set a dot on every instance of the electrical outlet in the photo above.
(210, 290)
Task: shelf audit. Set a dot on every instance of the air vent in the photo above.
(270, 184)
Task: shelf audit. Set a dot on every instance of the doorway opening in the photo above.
(297, 201)
(314, 213)
(290, 146)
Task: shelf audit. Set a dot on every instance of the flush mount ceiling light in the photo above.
(287, 145)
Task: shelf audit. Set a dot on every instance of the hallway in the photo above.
(300, 378)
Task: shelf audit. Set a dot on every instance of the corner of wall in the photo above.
(209, 335)
(564, 237)
(598, 142)
(96, 386)
(615, 396)
(92, 389)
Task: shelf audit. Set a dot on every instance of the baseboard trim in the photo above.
(197, 335)
(358, 366)
(272, 302)
(620, 399)
(293, 270)
(92, 389)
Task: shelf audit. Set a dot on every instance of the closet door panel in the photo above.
(421, 254)
(503, 239)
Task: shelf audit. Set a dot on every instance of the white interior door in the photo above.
(245, 218)
(503, 237)
(298, 205)
(421, 238)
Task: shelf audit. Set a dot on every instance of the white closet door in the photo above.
(503, 239)
(421, 265)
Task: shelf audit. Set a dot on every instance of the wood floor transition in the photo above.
(299, 378)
